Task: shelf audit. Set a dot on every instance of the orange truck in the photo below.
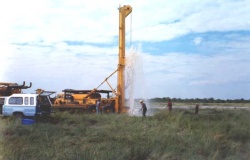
(84, 100)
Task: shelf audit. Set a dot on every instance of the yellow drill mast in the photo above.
(123, 13)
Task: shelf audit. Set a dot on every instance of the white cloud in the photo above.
(54, 21)
(5, 53)
(43, 27)
(182, 75)
(197, 40)
(60, 66)
(178, 73)
(174, 19)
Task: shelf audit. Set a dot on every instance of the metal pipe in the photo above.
(123, 13)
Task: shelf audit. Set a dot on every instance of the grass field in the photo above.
(212, 134)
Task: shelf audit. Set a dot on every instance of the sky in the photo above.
(181, 49)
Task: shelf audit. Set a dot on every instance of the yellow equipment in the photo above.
(120, 93)
(86, 99)
(123, 13)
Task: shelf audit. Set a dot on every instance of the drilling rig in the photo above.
(78, 100)
(120, 107)
(123, 13)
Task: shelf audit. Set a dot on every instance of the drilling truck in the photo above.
(84, 100)
(114, 101)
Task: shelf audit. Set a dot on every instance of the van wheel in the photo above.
(19, 115)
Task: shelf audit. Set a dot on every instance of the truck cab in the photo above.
(27, 105)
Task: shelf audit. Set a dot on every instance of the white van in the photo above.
(29, 105)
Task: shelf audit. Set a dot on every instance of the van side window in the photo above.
(26, 100)
(31, 100)
(16, 100)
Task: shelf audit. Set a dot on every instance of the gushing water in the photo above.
(134, 79)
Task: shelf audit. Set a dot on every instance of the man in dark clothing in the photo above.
(169, 105)
(143, 108)
(196, 109)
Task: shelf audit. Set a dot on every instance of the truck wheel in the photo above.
(92, 109)
(108, 109)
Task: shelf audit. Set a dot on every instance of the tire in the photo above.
(18, 115)
(92, 109)
(108, 109)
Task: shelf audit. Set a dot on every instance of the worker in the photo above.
(196, 109)
(39, 104)
(97, 106)
(169, 105)
(143, 108)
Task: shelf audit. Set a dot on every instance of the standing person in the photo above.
(196, 109)
(143, 108)
(169, 105)
(97, 106)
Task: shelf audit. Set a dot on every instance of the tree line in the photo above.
(200, 100)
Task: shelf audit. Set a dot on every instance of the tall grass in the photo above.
(213, 134)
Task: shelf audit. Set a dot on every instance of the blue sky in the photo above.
(194, 49)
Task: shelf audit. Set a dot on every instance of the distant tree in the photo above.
(174, 99)
(157, 99)
(204, 100)
(211, 100)
(164, 98)
(242, 100)
(199, 100)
